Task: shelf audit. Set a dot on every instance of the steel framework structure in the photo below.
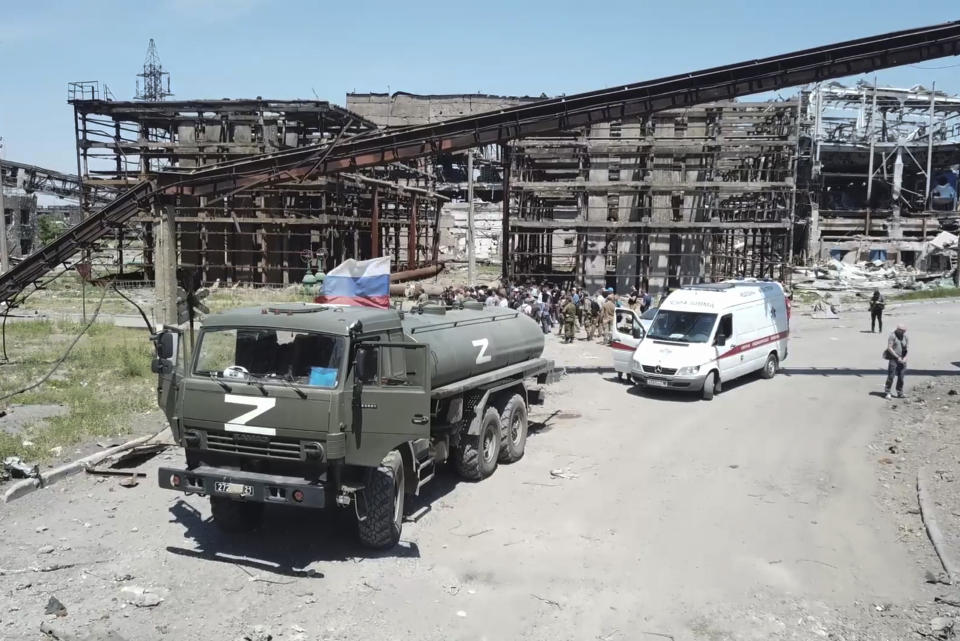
(549, 116)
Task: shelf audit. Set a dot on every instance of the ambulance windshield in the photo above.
(682, 327)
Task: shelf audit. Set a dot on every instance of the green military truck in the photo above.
(324, 406)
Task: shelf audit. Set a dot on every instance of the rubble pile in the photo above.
(865, 277)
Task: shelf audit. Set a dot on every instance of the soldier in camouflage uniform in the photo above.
(569, 320)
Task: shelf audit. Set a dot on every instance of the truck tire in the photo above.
(770, 367)
(513, 421)
(235, 517)
(709, 386)
(476, 457)
(384, 498)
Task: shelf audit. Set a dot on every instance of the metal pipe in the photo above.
(471, 249)
(505, 228)
(375, 225)
(416, 274)
(412, 234)
(873, 137)
(4, 250)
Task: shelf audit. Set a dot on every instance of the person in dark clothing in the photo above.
(896, 355)
(876, 310)
(646, 301)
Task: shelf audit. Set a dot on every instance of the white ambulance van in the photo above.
(706, 335)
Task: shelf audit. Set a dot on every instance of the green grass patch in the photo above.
(225, 298)
(927, 294)
(103, 384)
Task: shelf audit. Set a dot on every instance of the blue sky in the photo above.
(291, 49)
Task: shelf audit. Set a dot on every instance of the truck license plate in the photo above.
(656, 382)
(237, 489)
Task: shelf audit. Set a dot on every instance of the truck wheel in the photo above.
(770, 367)
(384, 497)
(476, 458)
(235, 517)
(709, 386)
(513, 421)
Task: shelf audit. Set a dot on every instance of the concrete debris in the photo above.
(258, 633)
(55, 608)
(18, 469)
(563, 474)
(46, 549)
(141, 597)
(865, 276)
(944, 240)
(942, 626)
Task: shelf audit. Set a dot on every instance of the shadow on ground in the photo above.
(291, 539)
(853, 371)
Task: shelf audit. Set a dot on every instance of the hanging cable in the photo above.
(63, 358)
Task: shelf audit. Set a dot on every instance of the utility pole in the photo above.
(471, 250)
(927, 201)
(4, 250)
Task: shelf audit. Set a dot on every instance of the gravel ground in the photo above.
(777, 511)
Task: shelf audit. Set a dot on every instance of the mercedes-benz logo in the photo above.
(658, 370)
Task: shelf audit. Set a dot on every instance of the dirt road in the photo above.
(755, 516)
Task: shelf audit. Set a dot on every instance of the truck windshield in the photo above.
(302, 358)
(683, 327)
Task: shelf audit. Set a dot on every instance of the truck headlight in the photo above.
(688, 371)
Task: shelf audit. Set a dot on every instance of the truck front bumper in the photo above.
(244, 486)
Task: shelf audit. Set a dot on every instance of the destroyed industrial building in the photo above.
(627, 192)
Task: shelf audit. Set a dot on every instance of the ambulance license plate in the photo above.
(236, 489)
(656, 382)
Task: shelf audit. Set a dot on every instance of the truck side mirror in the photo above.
(366, 365)
(721, 340)
(165, 346)
(161, 366)
(637, 331)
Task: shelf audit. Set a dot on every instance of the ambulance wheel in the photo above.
(513, 421)
(383, 494)
(709, 386)
(476, 457)
(770, 367)
(235, 517)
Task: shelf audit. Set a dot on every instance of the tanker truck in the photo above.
(327, 406)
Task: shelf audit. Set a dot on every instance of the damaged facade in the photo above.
(20, 223)
(719, 190)
(270, 234)
(882, 173)
(672, 198)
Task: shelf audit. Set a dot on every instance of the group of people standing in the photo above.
(597, 313)
(551, 306)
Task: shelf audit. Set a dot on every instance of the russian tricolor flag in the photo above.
(358, 282)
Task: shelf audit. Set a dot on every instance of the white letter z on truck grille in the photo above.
(239, 424)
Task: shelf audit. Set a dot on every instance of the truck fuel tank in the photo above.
(468, 342)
